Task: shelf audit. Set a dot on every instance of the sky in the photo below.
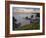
(25, 9)
(18, 8)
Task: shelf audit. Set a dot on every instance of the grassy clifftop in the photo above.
(32, 26)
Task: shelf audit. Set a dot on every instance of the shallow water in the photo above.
(23, 21)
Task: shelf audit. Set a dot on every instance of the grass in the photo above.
(32, 26)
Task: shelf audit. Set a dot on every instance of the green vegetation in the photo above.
(32, 26)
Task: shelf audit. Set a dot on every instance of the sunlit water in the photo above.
(21, 18)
